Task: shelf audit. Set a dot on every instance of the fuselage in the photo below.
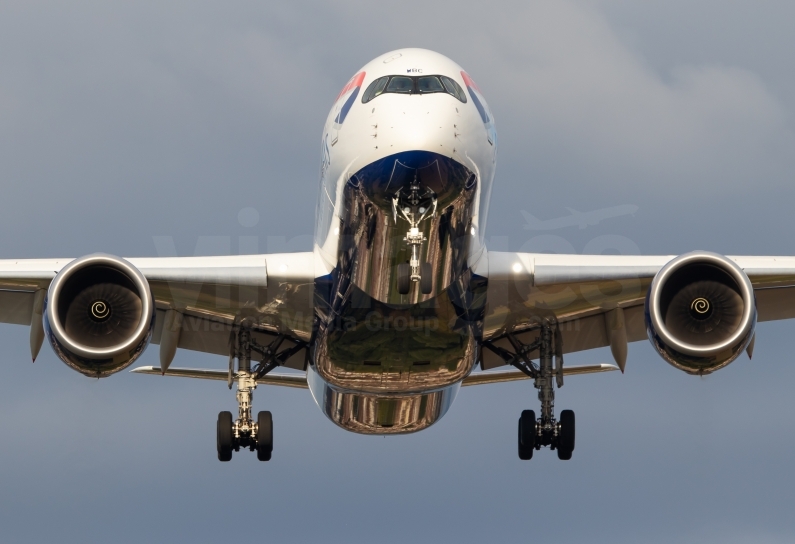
(408, 160)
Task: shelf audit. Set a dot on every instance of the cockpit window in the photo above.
(429, 84)
(374, 89)
(454, 89)
(400, 84)
(413, 85)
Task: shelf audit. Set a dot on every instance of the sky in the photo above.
(149, 128)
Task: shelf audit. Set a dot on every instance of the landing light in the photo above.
(517, 267)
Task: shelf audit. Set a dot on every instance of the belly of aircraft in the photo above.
(373, 347)
(385, 369)
(386, 361)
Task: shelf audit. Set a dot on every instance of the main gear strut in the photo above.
(546, 430)
(245, 432)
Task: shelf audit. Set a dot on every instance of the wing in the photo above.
(598, 300)
(299, 381)
(199, 299)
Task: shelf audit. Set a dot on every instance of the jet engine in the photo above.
(700, 312)
(99, 314)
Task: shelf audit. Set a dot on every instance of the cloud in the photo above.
(572, 98)
(572, 87)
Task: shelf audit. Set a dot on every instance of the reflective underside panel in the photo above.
(377, 210)
(374, 414)
(381, 354)
(374, 347)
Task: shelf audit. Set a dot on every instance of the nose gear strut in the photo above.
(545, 430)
(414, 206)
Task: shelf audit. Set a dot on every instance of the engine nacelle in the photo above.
(99, 314)
(700, 312)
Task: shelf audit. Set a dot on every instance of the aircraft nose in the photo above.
(418, 123)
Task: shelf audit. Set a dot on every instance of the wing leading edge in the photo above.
(199, 300)
(598, 300)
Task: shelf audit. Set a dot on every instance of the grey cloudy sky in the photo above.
(125, 124)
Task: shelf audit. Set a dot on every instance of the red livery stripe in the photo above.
(356, 81)
(469, 82)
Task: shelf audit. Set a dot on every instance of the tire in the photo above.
(225, 436)
(264, 436)
(426, 278)
(527, 434)
(524, 454)
(566, 437)
(404, 278)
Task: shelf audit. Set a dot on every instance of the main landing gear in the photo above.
(534, 433)
(244, 432)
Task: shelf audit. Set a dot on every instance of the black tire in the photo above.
(264, 436)
(404, 278)
(525, 454)
(426, 278)
(225, 436)
(527, 434)
(566, 437)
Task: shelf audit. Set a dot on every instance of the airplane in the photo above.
(581, 219)
(399, 304)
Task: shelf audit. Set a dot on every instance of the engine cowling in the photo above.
(700, 312)
(99, 314)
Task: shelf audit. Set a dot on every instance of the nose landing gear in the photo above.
(414, 206)
(415, 271)
(534, 433)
